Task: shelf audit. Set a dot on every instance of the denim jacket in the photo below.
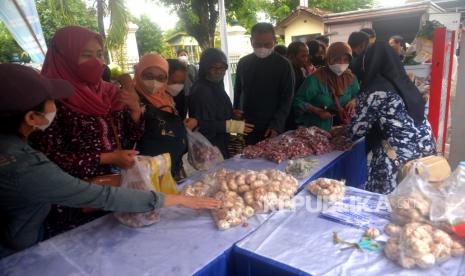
(30, 183)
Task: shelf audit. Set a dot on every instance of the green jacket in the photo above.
(314, 93)
(30, 183)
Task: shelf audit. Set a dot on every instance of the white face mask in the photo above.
(184, 59)
(262, 52)
(50, 116)
(153, 85)
(338, 69)
(174, 89)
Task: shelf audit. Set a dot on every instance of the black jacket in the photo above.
(209, 103)
(264, 90)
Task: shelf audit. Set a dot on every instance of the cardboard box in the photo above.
(436, 168)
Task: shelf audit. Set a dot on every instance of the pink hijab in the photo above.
(61, 62)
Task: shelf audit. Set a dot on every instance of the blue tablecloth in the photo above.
(182, 243)
(350, 166)
(301, 243)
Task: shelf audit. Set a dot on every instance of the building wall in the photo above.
(341, 32)
(303, 25)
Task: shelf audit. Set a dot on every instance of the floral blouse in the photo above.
(75, 141)
(408, 140)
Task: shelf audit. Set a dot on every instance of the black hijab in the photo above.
(208, 101)
(209, 57)
(379, 69)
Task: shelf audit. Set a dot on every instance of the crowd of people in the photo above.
(64, 128)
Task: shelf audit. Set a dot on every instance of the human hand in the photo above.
(271, 133)
(350, 107)
(248, 128)
(238, 114)
(124, 159)
(324, 115)
(191, 123)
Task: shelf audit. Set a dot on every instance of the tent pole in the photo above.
(29, 27)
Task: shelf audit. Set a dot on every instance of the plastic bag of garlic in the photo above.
(140, 177)
(411, 200)
(245, 193)
(418, 244)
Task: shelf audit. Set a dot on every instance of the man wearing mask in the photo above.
(264, 86)
(192, 74)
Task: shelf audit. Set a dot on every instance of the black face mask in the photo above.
(318, 61)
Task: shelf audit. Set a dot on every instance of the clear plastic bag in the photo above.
(448, 205)
(202, 155)
(422, 245)
(244, 193)
(147, 174)
(411, 200)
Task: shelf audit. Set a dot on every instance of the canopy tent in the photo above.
(22, 20)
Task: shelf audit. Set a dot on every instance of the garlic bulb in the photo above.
(372, 233)
(329, 189)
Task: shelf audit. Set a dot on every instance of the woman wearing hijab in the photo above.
(95, 130)
(164, 129)
(30, 182)
(94, 126)
(210, 105)
(390, 108)
(329, 92)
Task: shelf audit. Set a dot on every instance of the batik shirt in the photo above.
(408, 140)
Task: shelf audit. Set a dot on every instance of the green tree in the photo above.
(341, 5)
(280, 9)
(8, 47)
(51, 19)
(199, 17)
(243, 12)
(179, 27)
(119, 19)
(149, 36)
(55, 14)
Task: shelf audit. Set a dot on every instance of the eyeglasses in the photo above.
(160, 78)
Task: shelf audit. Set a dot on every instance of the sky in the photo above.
(167, 20)
(157, 12)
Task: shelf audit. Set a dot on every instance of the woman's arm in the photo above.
(52, 185)
(304, 97)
